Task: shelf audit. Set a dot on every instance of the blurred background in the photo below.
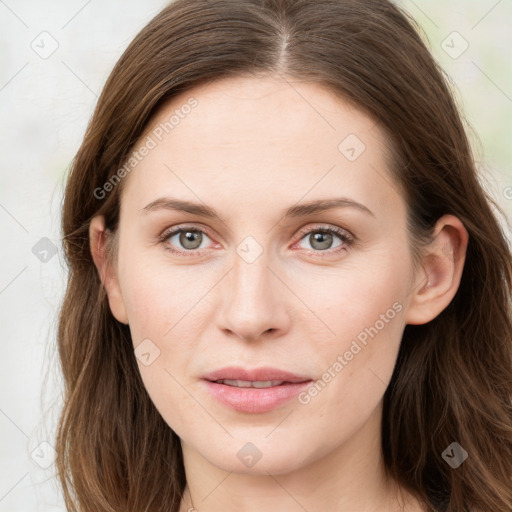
(55, 58)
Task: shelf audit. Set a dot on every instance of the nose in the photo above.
(255, 303)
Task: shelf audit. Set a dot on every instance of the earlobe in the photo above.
(439, 279)
(98, 241)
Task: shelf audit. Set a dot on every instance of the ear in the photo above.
(438, 281)
(98, 236)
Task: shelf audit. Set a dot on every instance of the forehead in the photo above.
(250, 140)
(249, 111)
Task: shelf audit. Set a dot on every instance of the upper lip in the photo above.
(257, 374)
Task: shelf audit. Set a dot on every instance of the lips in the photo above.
(265, 374)
(254, 391)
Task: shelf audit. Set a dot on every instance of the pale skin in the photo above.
(252, 148)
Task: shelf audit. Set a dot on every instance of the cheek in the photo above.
(163, 336)
(360, 311)
(357, 362)
(157, 296)
(167, 310)
(347, 300)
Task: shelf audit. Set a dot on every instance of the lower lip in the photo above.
(255, 400)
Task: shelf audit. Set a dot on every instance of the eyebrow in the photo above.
(320, 205)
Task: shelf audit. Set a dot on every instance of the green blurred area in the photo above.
(481, 75)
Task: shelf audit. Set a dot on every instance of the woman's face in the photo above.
(263, 283)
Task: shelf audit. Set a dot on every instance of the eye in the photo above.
(184, 239)
(321, 238)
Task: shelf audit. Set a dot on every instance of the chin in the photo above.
(253, 459)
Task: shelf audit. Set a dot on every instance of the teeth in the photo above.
(251, 384)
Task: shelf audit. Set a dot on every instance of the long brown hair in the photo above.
(452, 381)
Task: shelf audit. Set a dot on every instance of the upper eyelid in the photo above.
(172, 231)
(324, 227)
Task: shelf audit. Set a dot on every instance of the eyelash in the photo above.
(347, 240)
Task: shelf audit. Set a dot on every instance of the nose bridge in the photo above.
(252, 284)
(253, 300)
(251, 279)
